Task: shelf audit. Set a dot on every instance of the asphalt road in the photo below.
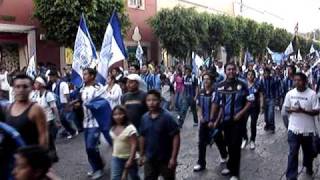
(267, 162)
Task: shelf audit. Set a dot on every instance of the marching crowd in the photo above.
(142, 129)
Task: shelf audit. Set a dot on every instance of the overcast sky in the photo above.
(285, 13)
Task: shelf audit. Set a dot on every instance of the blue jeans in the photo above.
(118, 166)
(67, 121)
(295, 141)
(92, 136)
(165, 104)
(186, 103)
(269, 113)
(177, 100)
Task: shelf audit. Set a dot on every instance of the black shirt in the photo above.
(135, 105)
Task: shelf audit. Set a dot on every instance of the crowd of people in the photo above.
(148, 107)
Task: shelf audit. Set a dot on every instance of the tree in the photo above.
(178, 30)
(280, 40)
(262, 39)
(60, 18)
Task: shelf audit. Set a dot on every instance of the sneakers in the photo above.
(252, 145)
(234, 178)
(72, 136)
(225, 172)
(198, 168)
(97, 175)
(244, 144)
(89, 174)
(223, 160)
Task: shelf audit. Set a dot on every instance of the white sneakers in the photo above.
(225, 172)
(223, 160)
(72, 136)
(244, 144)
(252, 145)
(234, 178)
(97, 175)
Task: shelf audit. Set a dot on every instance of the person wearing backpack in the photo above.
(62, 92)
(47, 101)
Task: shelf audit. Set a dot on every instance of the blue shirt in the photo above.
(190, 85)
(255, 90)
(287, 85)
(205, 100)
(158, 134)
(269, 87)
(148, 79)
(156, 82)
(232, 97)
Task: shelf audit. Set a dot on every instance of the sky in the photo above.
(284, 13)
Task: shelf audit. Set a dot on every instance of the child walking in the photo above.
(124, 136)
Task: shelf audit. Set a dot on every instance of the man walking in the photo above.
(190, 95)
(303, 105)
(61, 89)
(89, 91)
(230, 105)
(269, 87)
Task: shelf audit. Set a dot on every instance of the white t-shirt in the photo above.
(46, 101)
(87, 94)
(4, 85)
(114, 95)
(299, 122)
(64, 90)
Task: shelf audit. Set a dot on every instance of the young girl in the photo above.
(124, 136)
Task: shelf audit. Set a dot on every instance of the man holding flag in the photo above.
(83, 76)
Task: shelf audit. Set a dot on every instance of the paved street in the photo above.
(266, 162)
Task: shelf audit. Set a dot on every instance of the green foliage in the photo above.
(60, 18)
(280, 40)
(182, 30)
(178, 30)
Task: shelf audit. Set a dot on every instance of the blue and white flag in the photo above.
(112, 50)
(196, 63)
(312, 50)
(248, 58)
(84, 53)
(31, 69)
(139, 54)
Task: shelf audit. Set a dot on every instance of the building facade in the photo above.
(20, 37)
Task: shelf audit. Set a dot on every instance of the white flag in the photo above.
(31, 69)
(139, 54)
(84, 53)
(112, 50)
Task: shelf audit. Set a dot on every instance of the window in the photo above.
(138, 4)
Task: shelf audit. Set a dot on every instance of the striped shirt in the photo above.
(269, 87)
(205, 104)
(87, 94)
(190, 85)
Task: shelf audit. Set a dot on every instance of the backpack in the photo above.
(56, 94)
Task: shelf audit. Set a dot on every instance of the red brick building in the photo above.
(20, 36)
(139, 11)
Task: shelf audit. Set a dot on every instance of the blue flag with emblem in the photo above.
(112, 50)
(101, 110)
(84, 53)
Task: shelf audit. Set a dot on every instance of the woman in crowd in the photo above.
(114, 92)
(124, 136)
